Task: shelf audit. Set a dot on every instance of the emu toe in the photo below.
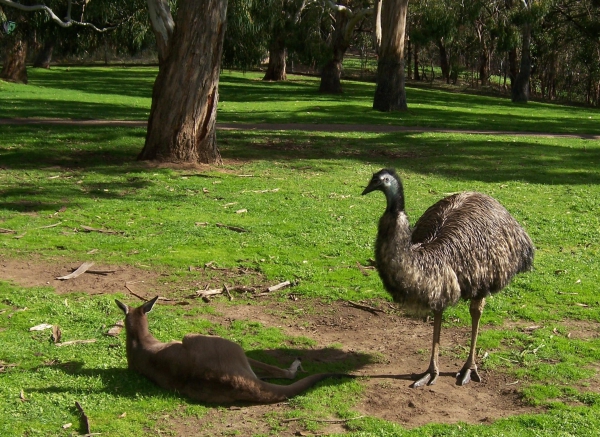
(427, 378)
(466, 375)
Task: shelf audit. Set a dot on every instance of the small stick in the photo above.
(278, 286)
(366, 307)
(7, 231)
(50, 226)
(362, 269)
(227, 291)
(102, 231)
(206, 293)
(136, 295)
(72, 342)
(231, 228)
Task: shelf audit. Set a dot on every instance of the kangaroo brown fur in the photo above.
(205, 368)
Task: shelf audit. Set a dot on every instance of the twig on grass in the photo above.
(72, 342)
(135, 294)
(102, 231)
(7, 231)
(363, 269)
(50, 226)
(231, 228)
(366, 307)
(80, 271)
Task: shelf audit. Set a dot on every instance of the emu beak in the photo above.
(373, 185)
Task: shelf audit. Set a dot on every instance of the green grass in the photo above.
(307, 223)
(124, 93)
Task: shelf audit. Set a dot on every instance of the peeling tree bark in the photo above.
(162, 26)
(181, 127)
(390, 94)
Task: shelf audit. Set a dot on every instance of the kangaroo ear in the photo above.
(147, 307)
(123, 307)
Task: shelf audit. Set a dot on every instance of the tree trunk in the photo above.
(390, 94)
(444, 64)
(484, 66)
(162, 26)
(520, 91)
(377, 26)
(512, 67)
(44, 56)
(331, 74)
(277, 55)
(14, 69)
(416, 56)
(181, 127)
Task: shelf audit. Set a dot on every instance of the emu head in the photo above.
(387, 181)
(135, 318)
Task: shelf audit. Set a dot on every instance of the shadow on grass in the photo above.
(122, 382)
(66, 155)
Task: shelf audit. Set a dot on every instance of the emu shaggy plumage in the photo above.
(465, 246)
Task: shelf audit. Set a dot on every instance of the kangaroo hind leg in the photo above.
(265, 371)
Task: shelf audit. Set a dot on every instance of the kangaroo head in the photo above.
(135, 318)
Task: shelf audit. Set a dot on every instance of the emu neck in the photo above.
(395, 198)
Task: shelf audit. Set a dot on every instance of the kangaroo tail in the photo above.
(277, 393)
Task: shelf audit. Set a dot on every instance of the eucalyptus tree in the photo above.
(390, 93)
(347, 14)
(181, 126)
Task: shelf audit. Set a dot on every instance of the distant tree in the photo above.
(345, 21)
(390, 94)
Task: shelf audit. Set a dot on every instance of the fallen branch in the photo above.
(7, 231)
(206, 293)
(84, 418)
(72, 342)
(81, 270)
(278, 286)
(135, 294)
(366, 307)
(231, 228)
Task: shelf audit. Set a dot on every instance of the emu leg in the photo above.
(469, 370)
(432, 372)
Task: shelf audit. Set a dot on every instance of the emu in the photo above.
(466, 245)
(205, 368)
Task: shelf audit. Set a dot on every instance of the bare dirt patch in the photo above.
(397, 346)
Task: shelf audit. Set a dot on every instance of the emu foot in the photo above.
(466, 375)
(427, 378)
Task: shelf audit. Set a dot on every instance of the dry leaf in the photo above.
(122, 415)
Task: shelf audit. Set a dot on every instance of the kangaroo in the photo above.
(205, 368)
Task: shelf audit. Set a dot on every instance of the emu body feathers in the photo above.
(465, 246)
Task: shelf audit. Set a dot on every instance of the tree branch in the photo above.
(67, 22)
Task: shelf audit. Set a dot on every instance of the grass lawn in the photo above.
(298, 195)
